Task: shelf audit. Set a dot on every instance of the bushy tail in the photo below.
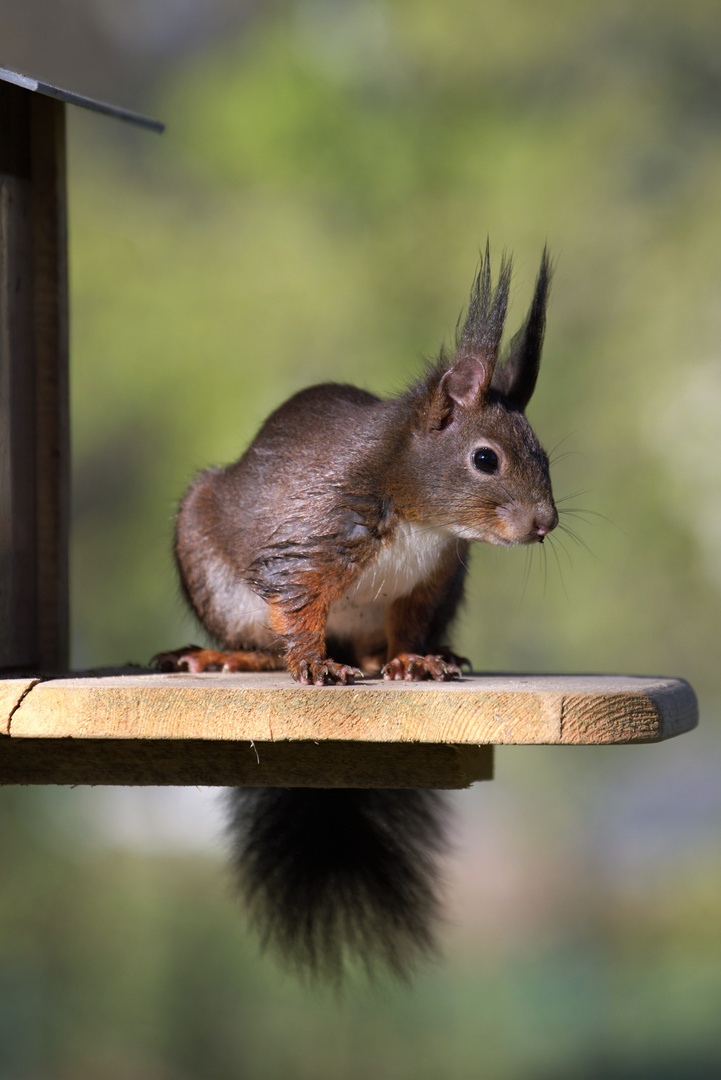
(332, 876)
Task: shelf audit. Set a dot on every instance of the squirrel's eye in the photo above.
(485, 459)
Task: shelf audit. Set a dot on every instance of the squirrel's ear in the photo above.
(516, 378)
(462, 386)
(466, 382)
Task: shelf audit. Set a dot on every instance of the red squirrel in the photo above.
(338, 546)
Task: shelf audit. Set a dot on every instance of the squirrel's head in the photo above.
(472, 459)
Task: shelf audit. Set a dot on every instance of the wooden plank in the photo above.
(261, 729)
(269, 707)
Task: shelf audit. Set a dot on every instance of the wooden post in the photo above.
(34, 441)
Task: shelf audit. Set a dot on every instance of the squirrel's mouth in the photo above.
(485, 534)
(509, 524)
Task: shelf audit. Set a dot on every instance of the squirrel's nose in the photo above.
(544, 523)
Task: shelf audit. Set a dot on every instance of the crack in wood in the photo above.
(19, 702)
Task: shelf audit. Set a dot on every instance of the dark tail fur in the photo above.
(332, 876)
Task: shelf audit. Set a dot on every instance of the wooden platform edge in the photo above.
(658, 714)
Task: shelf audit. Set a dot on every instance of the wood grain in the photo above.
(178, 728)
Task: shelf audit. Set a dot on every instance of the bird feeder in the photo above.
(141, 727)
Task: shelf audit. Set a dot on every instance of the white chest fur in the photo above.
(410, 557)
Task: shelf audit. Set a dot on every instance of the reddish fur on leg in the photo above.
(302, 629)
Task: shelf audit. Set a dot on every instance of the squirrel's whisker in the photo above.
(558, 564)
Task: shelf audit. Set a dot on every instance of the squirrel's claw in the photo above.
(326, 673)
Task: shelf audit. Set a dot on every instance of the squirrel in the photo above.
(337, 546)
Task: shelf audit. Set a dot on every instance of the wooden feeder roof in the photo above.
(48, 90)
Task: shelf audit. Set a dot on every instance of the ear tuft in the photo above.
(486, 314)
(516, 378)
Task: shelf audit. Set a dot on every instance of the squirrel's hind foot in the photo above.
(413, 668)
(195, 659)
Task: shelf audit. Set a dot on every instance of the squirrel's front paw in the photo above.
(412, 667)
(326, 673)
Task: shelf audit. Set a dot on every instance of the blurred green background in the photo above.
(315, 211)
